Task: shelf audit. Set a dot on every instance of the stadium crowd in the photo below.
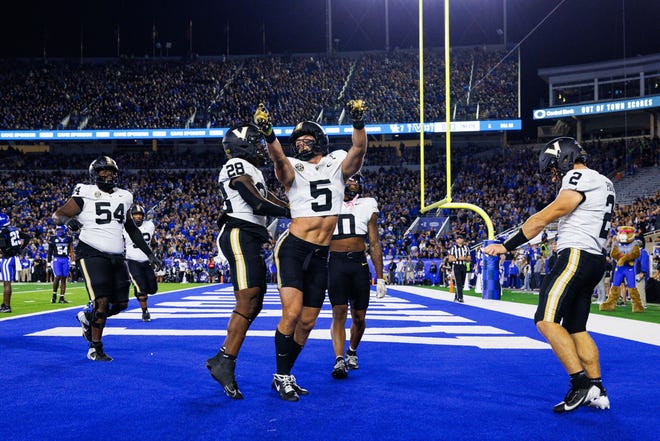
(180, 190)
(156, 93)
(181, 193)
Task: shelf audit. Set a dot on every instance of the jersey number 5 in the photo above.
(319, 189)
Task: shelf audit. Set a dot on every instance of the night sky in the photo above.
(579, 31)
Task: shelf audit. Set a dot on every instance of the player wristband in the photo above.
(515, 241)
(270, 138)
(358, 125)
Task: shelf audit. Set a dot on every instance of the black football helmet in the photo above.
(245, 141)
(353, 187)
(320, 140)
(109, 182)
(561, 154)
(137, 210)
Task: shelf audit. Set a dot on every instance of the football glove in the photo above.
(155, 261)
(381, 288)
(262, 120)
(73, 224)
(356, 110)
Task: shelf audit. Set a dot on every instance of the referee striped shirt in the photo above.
(459, 252)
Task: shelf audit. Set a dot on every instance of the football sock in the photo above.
(579, 380)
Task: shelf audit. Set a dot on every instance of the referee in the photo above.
(459, 255)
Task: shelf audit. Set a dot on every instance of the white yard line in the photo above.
(643, 332)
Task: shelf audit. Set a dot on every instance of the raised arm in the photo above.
(283, 168)
(353, 161)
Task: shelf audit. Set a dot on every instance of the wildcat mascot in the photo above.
(624, 251)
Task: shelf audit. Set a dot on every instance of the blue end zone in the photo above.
(430, 369)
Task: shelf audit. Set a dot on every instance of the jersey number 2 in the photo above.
(607, 218)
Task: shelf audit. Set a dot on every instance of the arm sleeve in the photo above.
(136, 236)
(257, 202)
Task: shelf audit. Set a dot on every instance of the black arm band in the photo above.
(358, 124)
(515, 241)
(270, 138)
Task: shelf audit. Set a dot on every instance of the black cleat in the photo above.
(62, 300)
(211, 361)
(95, 352)
(577, 397)
(53, 299)
(146, 317)
(222, 370)
(5, 308)
(84, 323)
(283, 384)
(340, 371)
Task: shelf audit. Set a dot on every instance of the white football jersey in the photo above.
(587, 227)
(354, 218)
(317, 189)
(234, 204)
(103, 216)
(132, 251)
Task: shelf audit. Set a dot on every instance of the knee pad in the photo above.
(96, 316)
(116, 308)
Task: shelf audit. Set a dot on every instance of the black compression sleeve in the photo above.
(260, 205)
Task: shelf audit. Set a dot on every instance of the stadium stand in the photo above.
(179, 182)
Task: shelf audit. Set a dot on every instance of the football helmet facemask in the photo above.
(320, 145)
(561, 154)
(353, 187)
(137, 210)
(245, 141)
(108, 182)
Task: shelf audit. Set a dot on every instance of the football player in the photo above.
(12, 241)
(584, 207)
(59, 249)
(349, 278)
(101, 212)
(247, 204)
(313, 180)
(140, 270)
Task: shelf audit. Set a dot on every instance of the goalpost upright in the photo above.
(491, 287)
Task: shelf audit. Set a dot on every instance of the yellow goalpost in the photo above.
(447, 201)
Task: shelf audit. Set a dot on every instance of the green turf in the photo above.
(652, 313)
(35, 297)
